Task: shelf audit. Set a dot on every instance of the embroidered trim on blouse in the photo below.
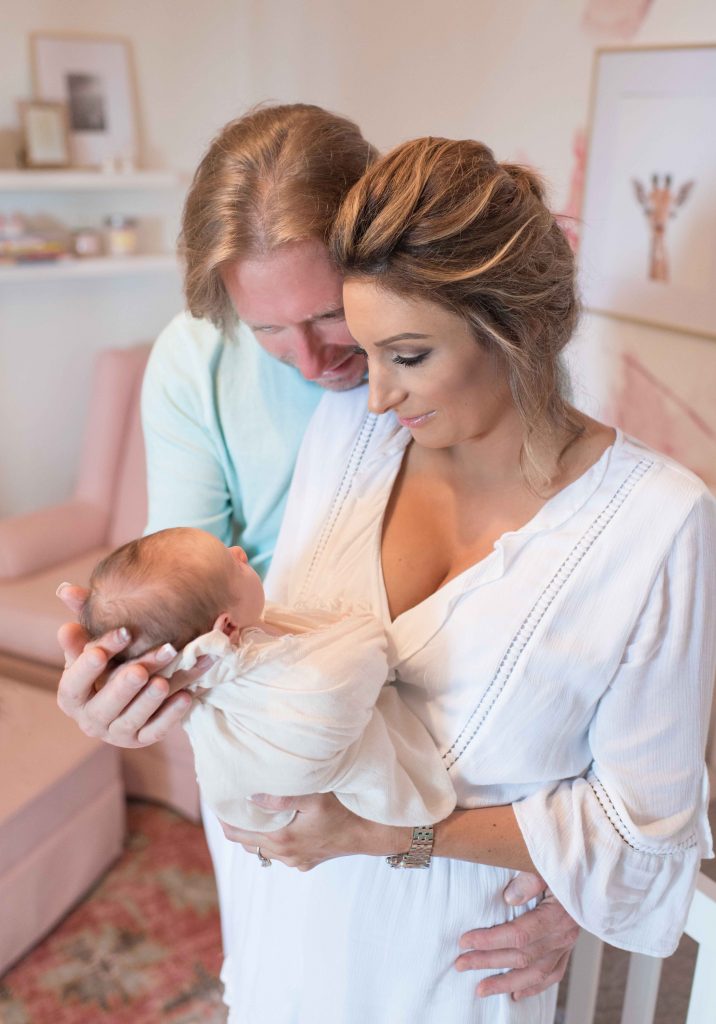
(623, 830)
(539, 609)
(339, 498)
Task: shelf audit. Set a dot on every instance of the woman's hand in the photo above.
(127, 705)
(535, 948)
(321, 830)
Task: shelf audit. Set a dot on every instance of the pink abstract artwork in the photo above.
(650, 410)
(569, 217)
(620, 19)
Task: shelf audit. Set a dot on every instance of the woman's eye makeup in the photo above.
(396, 357)
(410, 360)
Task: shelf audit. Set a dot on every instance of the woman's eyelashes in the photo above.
(396, 358)
(410, 360)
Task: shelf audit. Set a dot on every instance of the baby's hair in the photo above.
(159, 593)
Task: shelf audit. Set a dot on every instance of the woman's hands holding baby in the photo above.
(321, 830)
(132, 707)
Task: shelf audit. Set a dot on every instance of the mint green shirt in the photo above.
(223, 422)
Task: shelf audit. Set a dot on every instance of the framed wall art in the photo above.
(45, 135)
(648, 249)
(93, 76)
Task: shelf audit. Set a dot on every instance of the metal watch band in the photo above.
(420, 852)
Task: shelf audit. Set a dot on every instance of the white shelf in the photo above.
(75, 268)
(80, 181)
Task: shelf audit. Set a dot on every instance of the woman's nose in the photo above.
(382, 394)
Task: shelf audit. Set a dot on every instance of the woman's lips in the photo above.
(411, 422)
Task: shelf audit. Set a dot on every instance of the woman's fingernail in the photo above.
(58, 592)
(166, 653)
(121, 635)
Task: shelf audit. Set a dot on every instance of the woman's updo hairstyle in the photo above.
(441, 220)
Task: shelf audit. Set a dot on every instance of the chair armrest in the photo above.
(52, 535)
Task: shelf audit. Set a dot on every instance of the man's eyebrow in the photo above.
(406, 336)
(325, 315)
(334, 311)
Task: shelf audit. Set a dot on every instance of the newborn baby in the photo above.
(288, 706)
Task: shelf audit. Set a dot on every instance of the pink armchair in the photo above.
(40, 550)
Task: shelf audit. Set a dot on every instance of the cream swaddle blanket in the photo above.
(296, 714)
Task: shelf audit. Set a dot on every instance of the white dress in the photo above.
(295, 714)
(569, 672)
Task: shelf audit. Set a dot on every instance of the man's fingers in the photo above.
(543, 948)
(529, 980)
(169, 714)
(553, 978)
(72, 597)
(180, 680)
(524, 887)
(72, 639)
(512, 935)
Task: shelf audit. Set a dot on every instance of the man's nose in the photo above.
(312, 355)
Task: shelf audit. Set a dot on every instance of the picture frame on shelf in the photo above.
(648, 247)
(93, 76)
(45, 134)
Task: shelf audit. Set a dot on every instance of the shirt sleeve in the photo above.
(621, 847)
(186, 475)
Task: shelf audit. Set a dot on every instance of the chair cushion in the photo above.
(31, 614)
(61, 815)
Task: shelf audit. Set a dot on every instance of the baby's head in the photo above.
(171, 587)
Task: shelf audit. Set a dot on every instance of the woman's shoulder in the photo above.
(667, 489)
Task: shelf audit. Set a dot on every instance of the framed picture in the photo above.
(93, 76)
(45, 136)
(648, 249)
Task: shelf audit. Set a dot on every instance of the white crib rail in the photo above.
(642, 986)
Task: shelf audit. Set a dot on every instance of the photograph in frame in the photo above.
(648, 249)
(93, 77)
(45, 134)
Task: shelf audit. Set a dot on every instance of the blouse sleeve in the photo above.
(621, 846)
(186, 480)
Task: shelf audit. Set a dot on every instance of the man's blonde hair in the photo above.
(276, 175)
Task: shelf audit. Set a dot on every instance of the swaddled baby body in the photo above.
(288, 706)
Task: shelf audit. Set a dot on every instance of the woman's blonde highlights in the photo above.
(442, 220)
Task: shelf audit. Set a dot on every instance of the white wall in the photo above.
(191, 74)
(515, 73)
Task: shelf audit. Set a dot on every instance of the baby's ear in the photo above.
(225, 625)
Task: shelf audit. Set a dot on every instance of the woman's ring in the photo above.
(265, 862)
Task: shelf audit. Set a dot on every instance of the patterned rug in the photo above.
(143, 947)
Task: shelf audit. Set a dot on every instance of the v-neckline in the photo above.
(444, 591)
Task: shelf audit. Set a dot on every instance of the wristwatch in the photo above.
(420, 852)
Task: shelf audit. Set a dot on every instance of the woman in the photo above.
(548, 587)
(229, 390)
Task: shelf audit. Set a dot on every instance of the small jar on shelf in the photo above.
(121, 236)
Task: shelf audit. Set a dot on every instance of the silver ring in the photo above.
(265, 862)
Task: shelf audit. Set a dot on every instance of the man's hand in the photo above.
(127, 705)
(536, 947)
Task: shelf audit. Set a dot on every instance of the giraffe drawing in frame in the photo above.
(659, 205)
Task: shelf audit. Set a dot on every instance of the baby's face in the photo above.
(249, 599)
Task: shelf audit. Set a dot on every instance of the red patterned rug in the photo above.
(143, 947)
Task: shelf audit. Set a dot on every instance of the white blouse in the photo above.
(568, 673)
